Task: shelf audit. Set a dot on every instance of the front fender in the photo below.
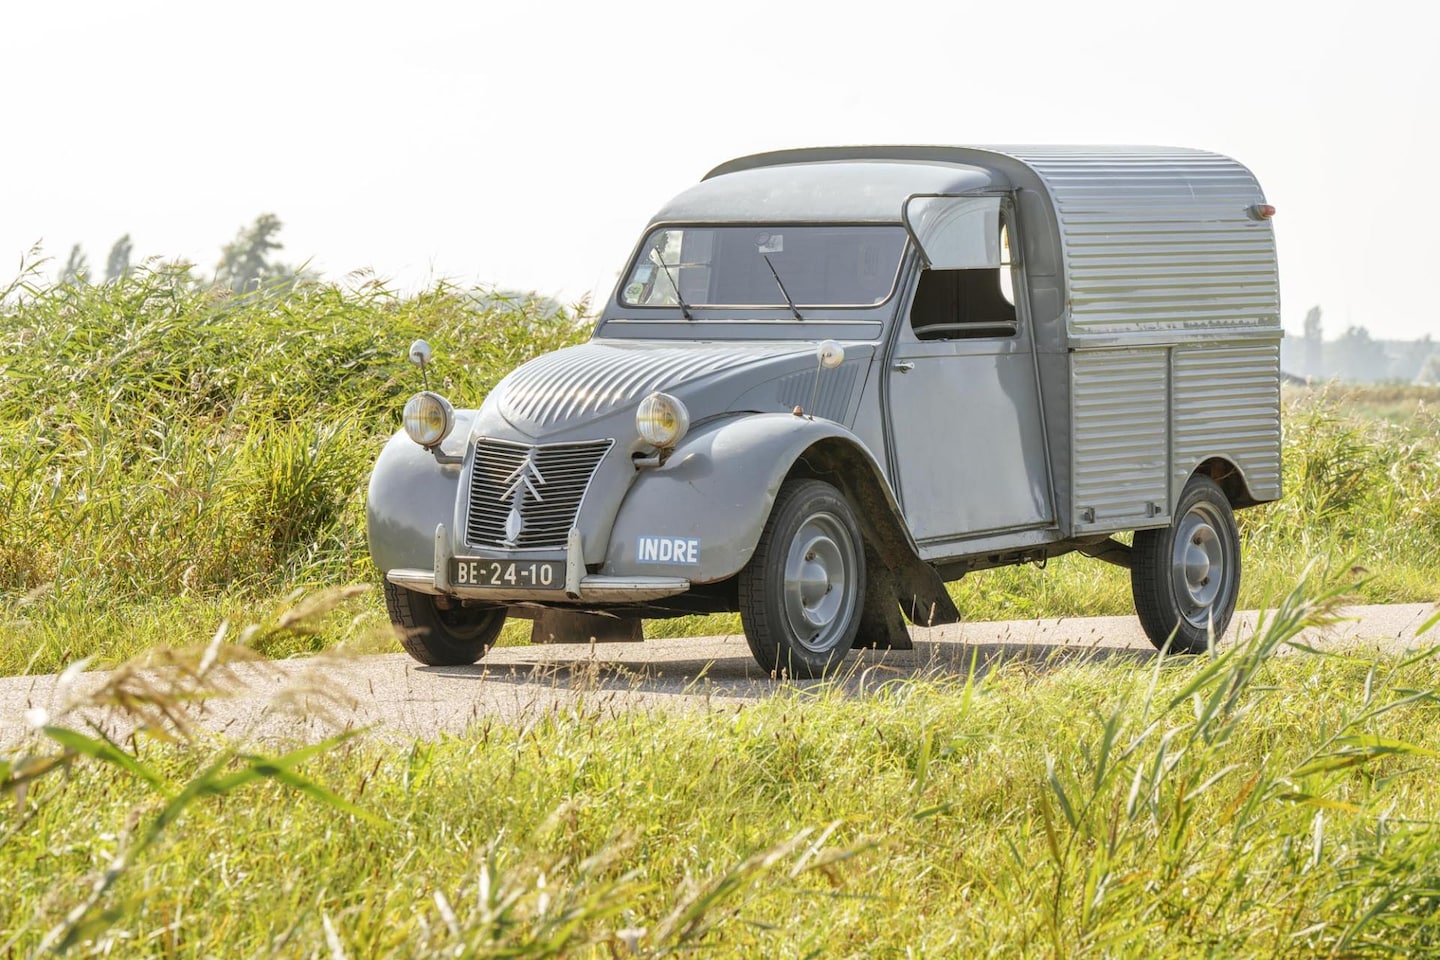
(410, 493)
(701, 514)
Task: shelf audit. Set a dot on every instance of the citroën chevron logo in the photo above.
(526, 477)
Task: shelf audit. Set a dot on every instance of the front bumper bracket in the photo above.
(579, 586)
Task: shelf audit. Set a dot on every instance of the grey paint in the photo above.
(968, 443)
(836, 191)
(1120, 469)
(1144, 420)
(409, 495)
(718, 488)
(1130, 247)
(590, 393)
(1160, 239)
(829, 395)
(571, 387)
(1149, 310)
(1152, 238)
(1223, 402)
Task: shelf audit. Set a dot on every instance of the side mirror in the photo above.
(420, 353)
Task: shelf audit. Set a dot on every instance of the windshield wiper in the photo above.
(684, 310)
(779, 283)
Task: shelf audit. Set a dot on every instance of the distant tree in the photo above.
(1430, 370)
(77, 267)
(1358, 357)
(1408, 356)
(118, 263)
(245, 261)
(1313, 361)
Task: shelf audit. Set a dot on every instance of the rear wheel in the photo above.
(1186, 577)
(802, 591)
(437, 635)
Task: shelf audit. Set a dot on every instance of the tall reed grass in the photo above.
(167, 448)
(162, 440)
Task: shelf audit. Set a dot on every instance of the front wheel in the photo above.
(441, 636)
(1186, 577)
(802, 591)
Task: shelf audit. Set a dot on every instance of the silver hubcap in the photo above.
(820, 582)
(1199, 566)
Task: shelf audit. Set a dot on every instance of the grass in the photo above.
(172, 459)
(169, 448)
(172, 456)
(161, 438)
(1384, 401)
(1130, 806)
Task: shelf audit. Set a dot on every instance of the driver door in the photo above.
(968, 444)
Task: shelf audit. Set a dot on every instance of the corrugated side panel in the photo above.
(1119, 442)
(1160, 239)
(1227, 403)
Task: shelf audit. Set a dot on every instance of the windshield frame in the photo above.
(643, 247)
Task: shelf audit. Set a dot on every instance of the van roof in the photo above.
(846, 190)
(1127, 239)
(871, 182)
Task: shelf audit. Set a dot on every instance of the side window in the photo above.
(964, 304)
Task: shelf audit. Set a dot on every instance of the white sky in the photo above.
(525, 145)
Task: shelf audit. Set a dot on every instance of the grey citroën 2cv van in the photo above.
(831, 380)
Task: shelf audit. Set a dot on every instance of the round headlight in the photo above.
(662, 420)
(428, 418)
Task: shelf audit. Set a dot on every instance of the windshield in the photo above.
(848, 265)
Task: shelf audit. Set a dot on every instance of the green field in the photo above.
(1246, 805)
(172, 457)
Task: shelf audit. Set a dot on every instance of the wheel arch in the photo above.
(855, 474)
(719, 488)
(898, 575)
(1231, 479)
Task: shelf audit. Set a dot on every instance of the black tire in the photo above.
(439, 636)
(802, 593)
(1186, 577)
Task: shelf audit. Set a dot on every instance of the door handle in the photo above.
(904, 366)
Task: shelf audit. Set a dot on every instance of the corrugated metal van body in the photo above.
(1160, 239)
(1155, 298)
(1120, 470)
(1227, 398)
(1143, 419)
(1172, 322)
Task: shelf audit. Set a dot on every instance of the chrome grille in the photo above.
(543, 485)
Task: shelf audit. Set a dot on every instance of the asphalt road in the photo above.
(313, 697)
